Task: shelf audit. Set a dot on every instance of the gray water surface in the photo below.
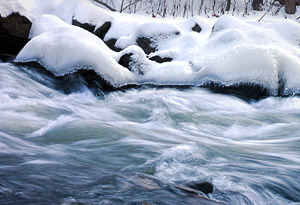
(133, 146)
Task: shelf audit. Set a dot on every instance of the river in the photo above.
(134, 146)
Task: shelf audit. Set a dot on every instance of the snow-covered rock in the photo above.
(64, 49)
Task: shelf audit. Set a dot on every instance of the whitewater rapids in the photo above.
(68, 148)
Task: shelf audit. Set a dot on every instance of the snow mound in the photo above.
(64, 49)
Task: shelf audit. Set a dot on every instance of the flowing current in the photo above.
(135, 146)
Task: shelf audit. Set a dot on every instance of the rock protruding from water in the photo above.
(205, 187)
(14, 32)
(245, 91)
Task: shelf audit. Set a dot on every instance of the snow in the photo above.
(33, 9)
(44, 23)
(228, 50)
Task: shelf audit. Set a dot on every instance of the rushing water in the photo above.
(132, 147)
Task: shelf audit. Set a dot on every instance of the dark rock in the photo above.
(17, 25)
(205, 187)
(150, 43)
(159, 59)
(6, 56)
(203, 199)
(85, 26)
(71, 82)
(244, 91)
(111, 44)
(93, 81)
(14, 32)
(10, 45)
(133, 64)
(125, 60)
(146, 44)
(102, 30)
(196, 28)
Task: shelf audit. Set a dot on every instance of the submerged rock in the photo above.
(182, 189)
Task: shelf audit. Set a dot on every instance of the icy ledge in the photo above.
(230, 54)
